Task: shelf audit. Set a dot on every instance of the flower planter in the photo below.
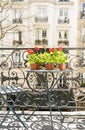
(49, 57)
(49, 66)
(62, 66)
(34, 66)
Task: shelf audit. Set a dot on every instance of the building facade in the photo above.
(40, 22)
(81, 23)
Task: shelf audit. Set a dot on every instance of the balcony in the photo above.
(63, 42)
(82, 15)
(16, 42)
(64, 0)
(17, 21)
(41, 42)
(17, 0)
(41, 19)
(63, 21)
(47, 101)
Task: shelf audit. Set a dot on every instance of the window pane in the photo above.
(65, 12)
(42, 11)
(43, 33)
(16, 36)
(61, 12)
(17, 13)
(83, 5)
(37, 34)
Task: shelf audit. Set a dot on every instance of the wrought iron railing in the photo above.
(64, 42)
(63, 21)
(82, 14)
(41, 99)
(41, 42)
(17, 20)
(64, 0)
(17, 0)
(41, 19)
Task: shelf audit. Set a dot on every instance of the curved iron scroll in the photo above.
(47, 90)
(40, 82)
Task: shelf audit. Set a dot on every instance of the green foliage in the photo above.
(33, 58)
(50, 57)
(53, 56)
(61, 57)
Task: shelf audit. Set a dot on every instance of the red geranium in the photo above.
(30, 51)
(36, 48)
(51, 50)
(60, 48)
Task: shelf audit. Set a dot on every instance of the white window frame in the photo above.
(42, 11)
(83, 34)
(83, 6)
(63, 13)
(62, 32)
(18, 13)
(39, 34)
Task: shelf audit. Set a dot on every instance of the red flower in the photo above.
(30, 51)
(51, 50)
(60, 48)
(36, 48)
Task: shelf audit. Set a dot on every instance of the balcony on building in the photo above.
(17, 42)
(64, 0)
(63, 21)
(63, 42)
(17, 21)
(83, 38)
(17, 0)
(41, 42)
(41, 19)
(49, 99)
(82, 14)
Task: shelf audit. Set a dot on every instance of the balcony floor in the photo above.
(44, 120)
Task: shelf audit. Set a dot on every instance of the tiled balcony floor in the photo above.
(42, 120)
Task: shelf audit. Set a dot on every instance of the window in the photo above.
(83, 6)
(63, 13)
(63, 34)
(41, 33)
(63, 16)
(16, 0)
(18, 15)
(83, 11)
(83, 35)
(63, 0)
(42, 11)
(63, 37)
(41, 37)
(17, 38)
(41, 14)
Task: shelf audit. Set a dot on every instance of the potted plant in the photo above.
(62, 59)
(50, 59)
(33, 58)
